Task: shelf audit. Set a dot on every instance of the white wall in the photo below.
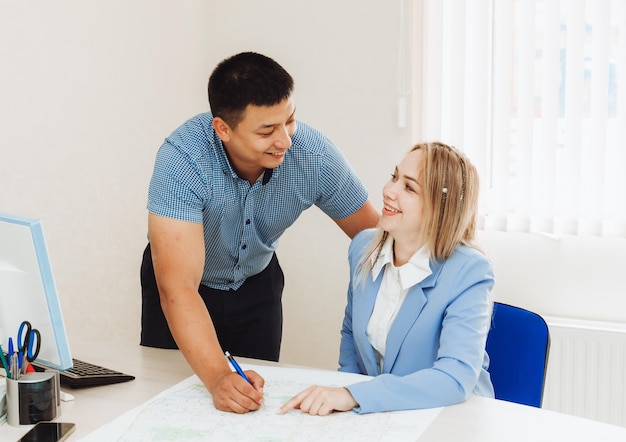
(567, 276)
(88, 91)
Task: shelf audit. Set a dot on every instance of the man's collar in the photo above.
(267, 176)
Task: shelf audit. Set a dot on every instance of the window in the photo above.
(530, 89)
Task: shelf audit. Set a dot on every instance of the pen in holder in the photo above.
(32, 398)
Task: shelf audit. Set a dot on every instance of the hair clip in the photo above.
(445, 190)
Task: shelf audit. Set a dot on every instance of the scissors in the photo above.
(28, 343)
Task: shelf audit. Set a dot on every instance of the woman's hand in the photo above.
(320, 401)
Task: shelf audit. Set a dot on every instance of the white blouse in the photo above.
(393, 289)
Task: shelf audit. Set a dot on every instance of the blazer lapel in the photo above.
(361, 312)
(409, 312)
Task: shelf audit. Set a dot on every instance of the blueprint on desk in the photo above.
(186, 412)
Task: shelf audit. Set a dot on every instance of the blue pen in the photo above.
(11, 349)
(237, 367)
(10, 353)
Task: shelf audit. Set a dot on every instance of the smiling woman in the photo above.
(416, 281)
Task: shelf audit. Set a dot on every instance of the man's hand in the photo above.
(232, 393)
(320, 401)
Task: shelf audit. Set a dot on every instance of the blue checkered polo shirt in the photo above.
(193, 181)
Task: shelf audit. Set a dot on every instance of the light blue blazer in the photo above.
(435, 353)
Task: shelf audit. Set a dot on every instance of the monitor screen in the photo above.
(28, 292)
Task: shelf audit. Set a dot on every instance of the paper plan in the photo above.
(185, 412)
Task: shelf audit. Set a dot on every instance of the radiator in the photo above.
(587, 370)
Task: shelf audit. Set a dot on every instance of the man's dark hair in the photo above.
(243, 79)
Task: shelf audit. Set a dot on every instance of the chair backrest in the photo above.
(518, 345)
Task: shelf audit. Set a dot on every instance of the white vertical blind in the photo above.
(530, 90)
(501, 95)
(519, 220)
(568, 202)
(477, 74)
(454, 69)
(616, 212)
(432, 55)
(543, 166)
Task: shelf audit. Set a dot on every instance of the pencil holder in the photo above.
(32, 398)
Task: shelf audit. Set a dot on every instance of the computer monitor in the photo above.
(28, 291)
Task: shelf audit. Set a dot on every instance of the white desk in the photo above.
(482, 420)
(478, 419)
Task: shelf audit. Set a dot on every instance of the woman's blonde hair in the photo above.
(450, 190)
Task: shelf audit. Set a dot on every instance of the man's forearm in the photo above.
(193, 330)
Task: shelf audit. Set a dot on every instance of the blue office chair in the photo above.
(518, 345)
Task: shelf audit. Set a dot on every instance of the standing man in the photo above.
(225, 186)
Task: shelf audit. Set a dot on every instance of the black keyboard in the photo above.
(86, 374)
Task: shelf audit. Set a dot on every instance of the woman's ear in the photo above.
(222, 129)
